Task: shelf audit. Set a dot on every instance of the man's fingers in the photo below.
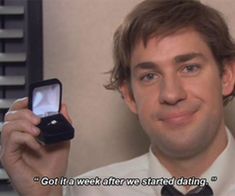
(24, 114)
(14, 145)
(19, 104)
(21, 126)
(20, 139)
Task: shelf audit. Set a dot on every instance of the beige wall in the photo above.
(77, 50)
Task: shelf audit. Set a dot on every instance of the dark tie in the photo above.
(169, 190)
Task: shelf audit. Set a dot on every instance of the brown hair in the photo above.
(161, 18)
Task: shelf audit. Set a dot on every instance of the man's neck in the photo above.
(196, 165)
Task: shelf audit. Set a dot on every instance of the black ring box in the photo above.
(45, 102)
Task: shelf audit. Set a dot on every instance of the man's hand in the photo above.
(24, 158)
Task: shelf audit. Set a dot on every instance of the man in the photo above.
(174, 66)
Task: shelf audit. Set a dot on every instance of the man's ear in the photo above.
(128, 96)
(228, 78)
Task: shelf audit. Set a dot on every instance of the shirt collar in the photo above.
(219, 174)
(216, 175)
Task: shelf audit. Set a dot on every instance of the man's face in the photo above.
(177, 93)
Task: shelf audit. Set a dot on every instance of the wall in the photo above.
(77, 50)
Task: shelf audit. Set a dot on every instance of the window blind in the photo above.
(21, 55)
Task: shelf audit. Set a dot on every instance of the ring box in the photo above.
(45, 102)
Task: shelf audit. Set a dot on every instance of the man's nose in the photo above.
(172, 90)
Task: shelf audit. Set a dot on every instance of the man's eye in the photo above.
(191, 69)
(149, 77)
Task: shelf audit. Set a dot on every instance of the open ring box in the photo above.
(45, 102)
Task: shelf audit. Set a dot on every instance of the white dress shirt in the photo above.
(220, 176)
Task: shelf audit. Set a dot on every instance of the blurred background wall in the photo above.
(77, 50)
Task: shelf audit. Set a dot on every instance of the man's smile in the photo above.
(179, 118)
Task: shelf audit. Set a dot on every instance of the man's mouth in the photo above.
(180, 118)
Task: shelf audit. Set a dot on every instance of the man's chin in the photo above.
(182, 144)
